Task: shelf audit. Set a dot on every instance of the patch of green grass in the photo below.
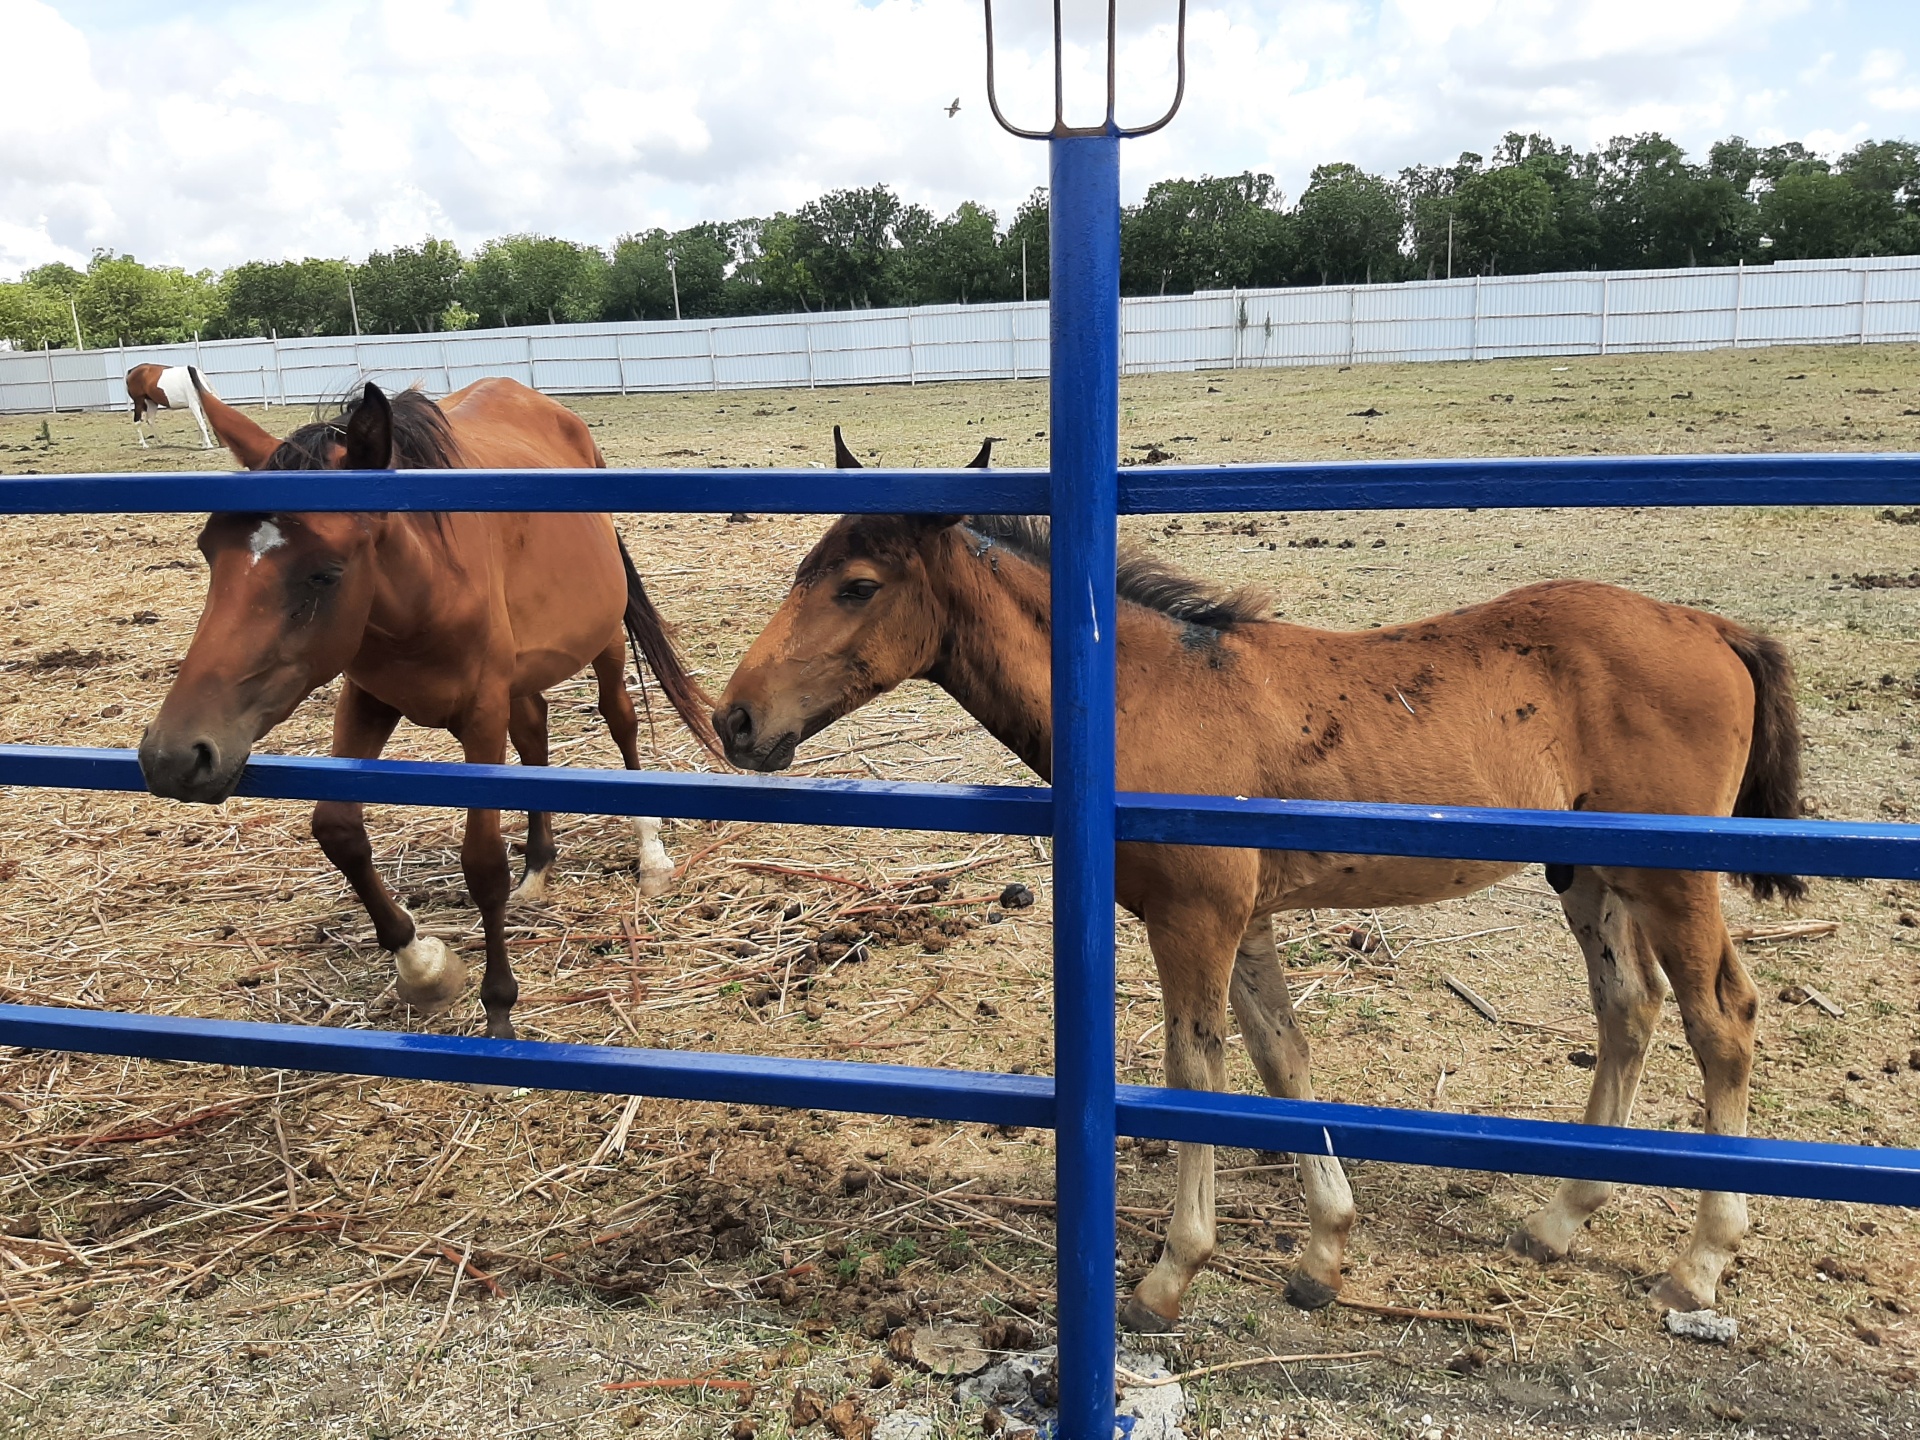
(1819, 1042)
(1370, 1014)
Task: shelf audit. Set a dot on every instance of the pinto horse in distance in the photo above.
(1565, 695)
(153, 388)
(458, 622)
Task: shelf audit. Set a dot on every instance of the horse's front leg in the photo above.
(483, 859)
(1627, 988)
(429, 976)
(1265, 1011)
(1193, 951)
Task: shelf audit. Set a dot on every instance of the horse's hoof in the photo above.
(532, 886)
(429, 977)
(1139, 1318)
(1672, 1294)
(1525, 1242)
(1306, 1293)
(656, 866)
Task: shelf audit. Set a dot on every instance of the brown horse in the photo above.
(1566, 695)
(458, 622)
(153, 388)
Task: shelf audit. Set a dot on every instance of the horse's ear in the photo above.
(928, 524)
(246, 441)
(370, 432)
(843, 458)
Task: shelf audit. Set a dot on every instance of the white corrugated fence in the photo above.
(1820, 302)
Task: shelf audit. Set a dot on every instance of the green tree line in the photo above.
(1531, 206)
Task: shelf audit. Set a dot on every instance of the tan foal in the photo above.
(1567, 695)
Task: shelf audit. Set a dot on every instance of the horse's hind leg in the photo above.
(616, 707)
(1679, 913)
(1624, 979)
(527, 728)
(1264, 1010)
(206, 440)
(429, 975)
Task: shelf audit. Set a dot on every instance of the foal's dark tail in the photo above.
(646, 629)
(1770, 790)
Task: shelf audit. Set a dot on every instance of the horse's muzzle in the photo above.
(195, 768)
(747, 747)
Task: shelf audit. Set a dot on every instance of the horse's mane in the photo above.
(1141, 578)
(422, 439)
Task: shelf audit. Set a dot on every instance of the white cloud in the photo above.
(1882, 65)
(203, 133)
(1880, 72)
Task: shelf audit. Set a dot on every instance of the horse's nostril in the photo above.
(203, 758)
(736, 726)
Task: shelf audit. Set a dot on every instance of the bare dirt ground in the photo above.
(198, 1252)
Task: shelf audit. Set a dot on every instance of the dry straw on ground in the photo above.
(195, 1251)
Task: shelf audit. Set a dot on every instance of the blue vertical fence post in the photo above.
(1085, 443)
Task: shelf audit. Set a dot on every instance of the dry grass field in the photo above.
(191, 1251)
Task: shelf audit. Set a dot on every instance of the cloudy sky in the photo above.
(205, 132)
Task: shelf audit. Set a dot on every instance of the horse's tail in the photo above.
(1770, 790)
(648, 632)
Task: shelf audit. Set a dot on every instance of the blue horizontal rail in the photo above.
(1864, 1174)
(1868, 1174)
(1568, 837)
(1517, 483)
(898, 805)
(1678, 842)
(793, 492)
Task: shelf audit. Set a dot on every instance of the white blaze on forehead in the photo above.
(267, 537)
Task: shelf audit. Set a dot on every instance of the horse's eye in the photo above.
(321, 579)
(859, 591)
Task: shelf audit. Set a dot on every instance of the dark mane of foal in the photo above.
(422, 439)
(1142, 579)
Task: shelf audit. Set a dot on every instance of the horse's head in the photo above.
(287, 604)
(861, 617)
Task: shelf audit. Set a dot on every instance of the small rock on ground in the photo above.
(1143, 1412)
(1156, 1410)
(950, 1350)
(1707, 1325)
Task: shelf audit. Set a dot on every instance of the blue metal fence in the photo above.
(1083, 490)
